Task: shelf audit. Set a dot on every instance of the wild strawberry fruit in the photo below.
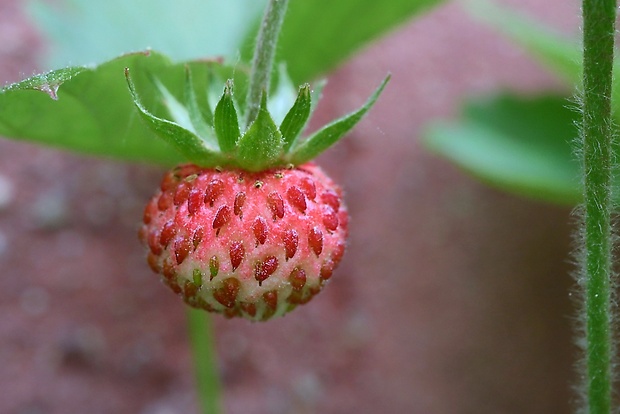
(245, 244)
(249, 226)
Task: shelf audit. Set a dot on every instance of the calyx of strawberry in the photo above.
(216, 136)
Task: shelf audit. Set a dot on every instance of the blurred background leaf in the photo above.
(319, 35)
(316, 37)
(521, 145)
(85, 32)
(561, 54)
(518, 144)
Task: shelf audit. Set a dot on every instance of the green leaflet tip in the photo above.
(226, 121)
(331, 133)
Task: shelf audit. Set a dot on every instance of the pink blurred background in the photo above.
(452, 297)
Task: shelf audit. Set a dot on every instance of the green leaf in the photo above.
(521, 145)
(297, 117)
(319, 35)
(559, 53)
(94, 113)
(85, 31)
(313, 41)
(178, 137)
(47, 82)
(331, 133)
(261, 145)
(227, 121)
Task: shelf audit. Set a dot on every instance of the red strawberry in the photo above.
(250, 228)
(245, 244)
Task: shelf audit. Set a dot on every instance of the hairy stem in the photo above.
(598, 43)
(205, 363)
(264, 53)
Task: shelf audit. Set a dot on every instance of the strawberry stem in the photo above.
(264, 53)
(205, 362)
(598, 163)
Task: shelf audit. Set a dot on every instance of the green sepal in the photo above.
(296, 119)
(199, 120)
(331, 133)
(226, 121)
(261, 145)
(181, 139)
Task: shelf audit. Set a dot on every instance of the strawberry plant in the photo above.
(244, 223)
(555, 166)
(249, 228)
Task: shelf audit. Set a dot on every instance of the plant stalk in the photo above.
(199, 322)
(264, 54)
(205, 362)
(598, 43)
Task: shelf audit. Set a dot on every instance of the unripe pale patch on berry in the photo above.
(259, 228)
(239, 202)
(214, 189)
(265, 268)
(276, 205)
(296, 198)
(291, 242)
(315, 240)
(236, 252)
